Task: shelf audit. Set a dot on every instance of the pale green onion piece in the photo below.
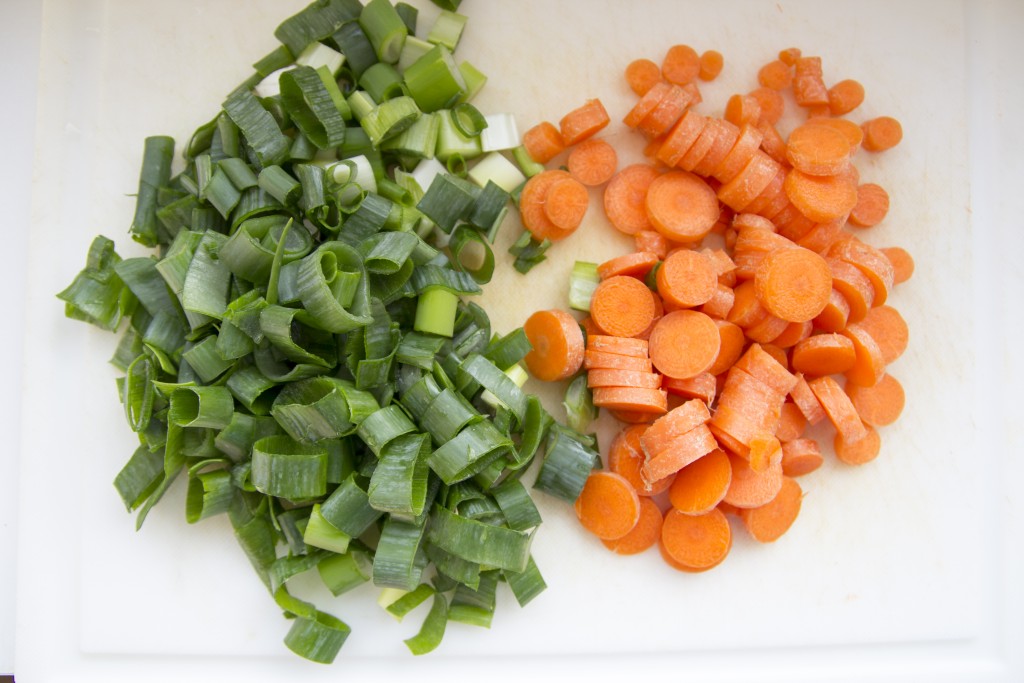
(447, 414)
(316, 22)
(210, 406)
(474, 79)
(516, 505)
(382, 82)
(409, 601)
(447, 29)
(489, 210)
(232, 343)
(526, 163)
(222, 193)
(342, 573)
(434, 80)
(320, 533)
(566, 467)
(525, 585)
(453, 567)
(535, 427)
(384, 425)
(435, 311)
(205, 290)
(280, 185)
(295, 341)
(468, 120)
(384, 253)
(579, 405)
(257, 537)
(493, 379)
(384, 29)
(500, 134)
(452, 142)
(285, 468)
(508, 350)
(239, 172)
(319, 638)
(258, 126)
(409, 16)
(270, 86)
(412, 50)
(275, 60)
(400, 559)
(418, 349)
(389, 118)
(155, 173)
(495, 169)
(356, 169)
(418, 140)
(582, 283)
(477, 542)
(318, 55)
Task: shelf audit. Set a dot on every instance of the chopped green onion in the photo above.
(258, 126)
(582, 283)
(413, 49)
(353, 43)
(452, 141)
(475, 541)
(276, 59)
(516, 505)
(382, 82)
(528, 252)
(500, 133)
(435, 312)
(316, 22)
(525, 585)
(579, 405)
(471, 253)
(315, 105)
(409, 15)
(474, 80)
(319, 56)
(156, 172)
(285, 468)
(320, 533)
(495, 168)
(566, 466)
(475, 606)
(446, 201)
(447, 29)
(400, 559)
(526, 163)
(434, 80)
(384, 28)
(342, 573)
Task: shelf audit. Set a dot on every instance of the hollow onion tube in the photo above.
(286, 468)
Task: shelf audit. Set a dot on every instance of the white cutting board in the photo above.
(888, 570)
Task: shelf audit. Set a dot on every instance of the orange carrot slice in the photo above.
(651, 241)
(625, 198)
(860, 451)
(626, 346)
(583, 122)
(637, 265)
(543, 142)
(806, 401)
(566, 203)
(845, 96)
(711, 63)
(681, 206)
(695, 543)
(869, 364)
(770, 521)
(687, 279)
(881, 133)
(818, 150)
(821, 198)
(889, 330)
(557, 343)
(838, 408)
(777, 75)
(684, 344)
(879, 405)
(531, 205)
(644, 535)
(824, 354)
(683, 450)
(792, 423)
(793, 284)
(902, 263)
(731, 341)
(747, 143)
(681, 137)
(646, 104)
(641, 75)
(593, 162)
(871, 207)
(800, 457)
(666, 429)
(667, 112)
(634, 399)
(681, 65)
(622, 306)
(700, 486)
(703, 387)
(626, 458)
(623, 378)
(608, 507)
(749, 488)
(808, 85)
(600, 360)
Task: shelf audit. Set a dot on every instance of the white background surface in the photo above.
(903, 569)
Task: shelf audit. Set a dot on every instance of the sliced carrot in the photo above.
(720, 303)
(881, 133)
(681, 65)
(800, 457)
(845, 96)
(700, 148)
(711, 63)
(700, 486)
(806, 401)
(583, 122)
(651, 241)
(777, 75)
(808, 85)
(818, 150)
(627, 346)
(637, 265)
(592, 162)
(766, 369)
(855, 287)
(869, 364)
(725, 135)
(687, 278)
(681, 206)
(821, 198)
(683, 450)
(793, 284)
(626, 458)
(672, 425)
(742, 109)
(667, 112)
(871, 262)
(752, 179)
(557, 343)
(636, 399)
(838, 408)
(644, 535)
(684, 344)
(623, 378)
(646, 104)
(601, 360)
(863, 450)
(721, 260)
(641, 75)
(889, 330)
(776, 352)
(622, 306)
(824, 354)
(789, 55)
(772, 144)
(608, 507)
(543, 142)
(703, 387)
(835, 314)
(902, 263)
(850, 130)
(731, 341)
(793, 334)
(566, 203)
(767, 329)
(764, 447)
(749, 488)
(881, 404)
(681, 137)
(747, 143)
(771, 103)
(633, 417)
(532, 201)
(695, 543)
(792, 423)
(746, 309)
(625, 195)
(770, 521)
(822, 236)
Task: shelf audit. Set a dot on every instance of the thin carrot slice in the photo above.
(794, 334)
(835, 314)
(881, 133)
(583, 122)
(771, 103)
(641, 75)
(780, 355)
(623, 378)
(792, 423)
(760, 365)
(818, 150)
(608, 507)
(600, 360)
(889, 330)
(742, 109)
(881, 404)
(720, 303)
(702, 387)
(566, 203)
(651, 241)
(777, 75)
(637, 264)
(902, 263)
(701, 146)
(668, 111)
(845, 96)
(824, 354)
(681, 206)
(711, 63)
(700, 486)
(531, 205)
(543, 142)
(633, 417)
(747, 143)
(646, 104)
(821, 198)
(626, 346)
(725, 135)
(800, 457)
(752, 179)
(869, 363)
(659, 436)
(626, 457)
(731, 340)
(695, 543)
(684, 344)
(793, 284)
(858, 452)
(806, 401)
(871, 262)
(749, 488)
(772, 143)
(681, 137)
(631, 398)
(872, 206)
(767, 329)
(808, 85)
(644, 535)
(593, 162)
(838, 408)
(622, 306)
(770, 521)
(687, 278)
(625, 196)
(822, 236)
(681, 65)
(855, 287)
(851, 131)
(683, 450)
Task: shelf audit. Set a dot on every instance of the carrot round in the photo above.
(789, 55)
(634, 399)
(817, 150)
(667, 112)
(641, 75)
(879, 405)
(646, 104)
(889, 330)
(583, 122)
(711, 63)
(793, 284)
(687, 279)
(752, 179)
(902, 263)
(820, 198)
(704, 387)
(651, 241)
(700, 148)
(742, 109)
(724, 137)
(770, 521)
(593, 162)
(764, 448)
(566, 203)
(838, 408)
(720, 303)
(771, 103)
(680, 452)
(701, 485)
(543, 142)
(747, 143)
(749, 488)
(872, 206)
(853, 133)
(855, 287)
(622, 306)
(824, 354)
(869, 363)
(532, 202)
(806, 401)
(681, 206)
(731, 341)
(557, 343)
(881, 133)
(869, 261)
(681, 65)
(794, 334)
(767, 369)
(626, 346)
(845, 96)
(625, 195)
(608, 507)
(600, 360)
(767, 329)
(792, 423)
(644, 535)
(800, 457)
(626, 458)
(623, 378)
(777, 353)
(777, 75)
(684, 344)
(860, 451)
(637, 264)
(695, 543)
(666, 429)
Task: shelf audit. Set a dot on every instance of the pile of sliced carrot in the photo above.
(747, 313)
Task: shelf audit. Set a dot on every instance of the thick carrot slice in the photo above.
(566, 203)
(800, 457)
(681, 206)
(792, 423)
(622, 306)
(625, 195)
(589, 327)
(850, 130)
(725, 135)
(702, 387)
(822, 236)
(626, 458)
(668, 111)
(863, 450)
(651, 241)
(633, 417)
(720, 303)
(872, 206)
(608, 507)
(701, 146)
(532, 204)
(808, 85)
(681, 137)
(789, 55)
(768, 522)
(752, 179)
(793, 284)
(747, 143)
(821, 198)
(683, 450)
(794, 334)
(764, 447)
(771, 103)
(583, 122)
(557, 345)
(593, 162)
(889, 330)
(777, 75)
(681, 65)
(646, 104)
(767, 329)
(838, 408)
(855, 287)
(600, 360)
(723, 263)
(637, 264)
(824, 354)
(763, 367)
(742, 109)
(780, 355)
(543, 142)
(627, 346)
(711, 63)
(687, 279)
(672, 425)
(806, 401)
(634, 399)
(731, 342)
(869, 364)
(623, 378)
(772, 143)
(881, 404)
(641, 75)
(752, 244)
(746, 309)
(881, 133)
(902, 263)
(644, 535)
(845, 96)
(835, 314)
(684, 344)
(701, 485)
(871, 262)
(818, 150)
(695, 543)
(749, 488)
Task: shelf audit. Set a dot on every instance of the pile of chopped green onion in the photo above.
(299, 349)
